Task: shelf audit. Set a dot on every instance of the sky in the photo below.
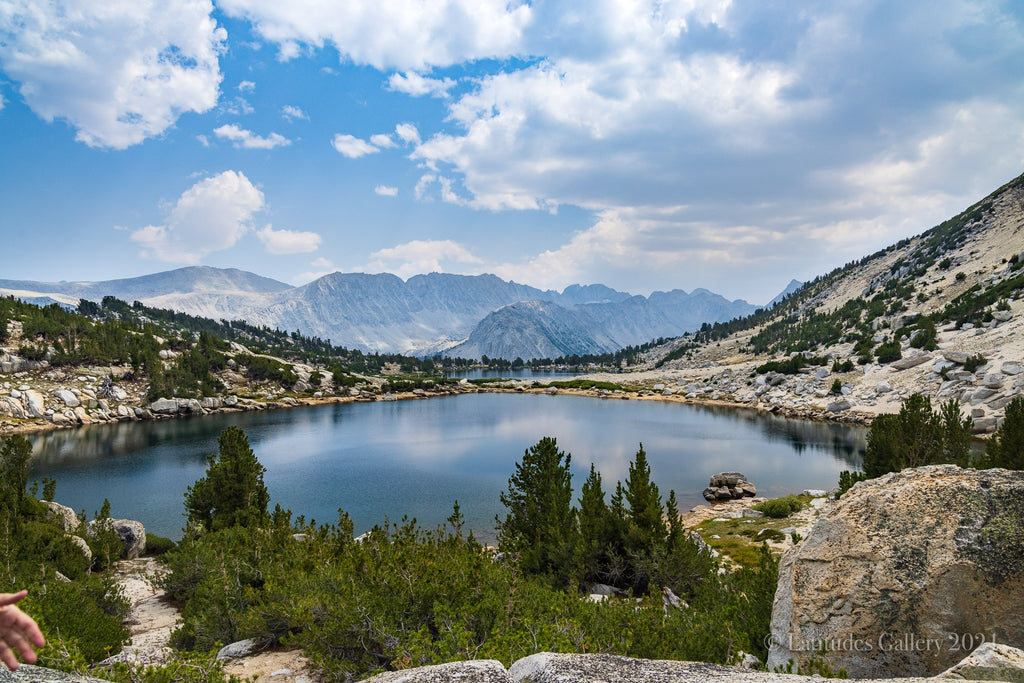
(645, 145)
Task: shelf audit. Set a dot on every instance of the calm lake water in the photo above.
(416, 458)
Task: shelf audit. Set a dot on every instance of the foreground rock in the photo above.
(905, 574)
(547, 667)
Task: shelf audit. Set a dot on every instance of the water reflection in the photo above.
(417, 457)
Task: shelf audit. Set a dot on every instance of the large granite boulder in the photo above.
(65, 517)
(906, 568)
(132, 533)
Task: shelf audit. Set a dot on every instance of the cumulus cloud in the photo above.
(246, 86)
(382, 140)
(319, 267)
(386, 191)
(117, 73)
(388, 34)
(352, 147)
(416, 85)
(292, 113)
(677, 122)
(212, 215)
(288, 241)
(421, 256)
(408, 133)
(246, 139)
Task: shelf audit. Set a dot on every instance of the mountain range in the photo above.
(459, 315)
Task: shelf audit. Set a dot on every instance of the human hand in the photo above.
(18, 632)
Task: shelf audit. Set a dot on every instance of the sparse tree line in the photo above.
(920, 435)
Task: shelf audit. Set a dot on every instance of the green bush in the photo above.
(791, 365)
(777, 508)
(84, 617)
(888, 352)
(974, 362)
(157, 545)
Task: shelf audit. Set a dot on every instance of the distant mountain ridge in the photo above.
(468, 315)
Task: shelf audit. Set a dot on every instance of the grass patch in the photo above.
(740, 539)
(588, 384)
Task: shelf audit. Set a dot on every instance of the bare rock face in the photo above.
(65, 517)
(906, 574)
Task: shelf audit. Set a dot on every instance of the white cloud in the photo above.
(288, 241)
(320, 267)
(203, 140)
(423, 184)
(401, 34)
(119, 72)
(212, 215)
(292, 113)
(246, 139)
(420, 256)
(352, 147)
(382, 140)
(386, 191)
(414, 84)
(238, 106)
(246, 86)
(408, 133)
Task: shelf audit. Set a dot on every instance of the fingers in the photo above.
(19, 634)
(11, 598)
(7, 656)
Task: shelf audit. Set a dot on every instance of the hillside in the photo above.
(940, 314)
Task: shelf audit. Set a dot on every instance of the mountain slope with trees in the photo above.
(940, 314)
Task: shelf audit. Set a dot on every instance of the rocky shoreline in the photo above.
(174, 408)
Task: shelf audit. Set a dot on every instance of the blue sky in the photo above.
(645, 145)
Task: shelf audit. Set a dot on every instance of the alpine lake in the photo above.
(383, 461)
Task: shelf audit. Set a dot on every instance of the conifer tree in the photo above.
(232, 493)
(1006, 447)
(956, 444)
(540, 527)
(647, 526)
(596, 528)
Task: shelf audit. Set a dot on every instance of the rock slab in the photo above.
(902, 571)
(548, 667)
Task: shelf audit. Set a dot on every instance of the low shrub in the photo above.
(777, 508)
(158, 545)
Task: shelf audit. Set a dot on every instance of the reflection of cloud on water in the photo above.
(417, 457)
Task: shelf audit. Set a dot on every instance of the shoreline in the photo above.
(12, 426)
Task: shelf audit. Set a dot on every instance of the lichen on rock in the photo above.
(903, 571)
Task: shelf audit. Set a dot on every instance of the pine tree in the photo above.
(912, 438)
(956, 443)
(596, 527)
(14, 456)
(1006, 447)
(647, 525)
(540, 527)
(232, 493)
